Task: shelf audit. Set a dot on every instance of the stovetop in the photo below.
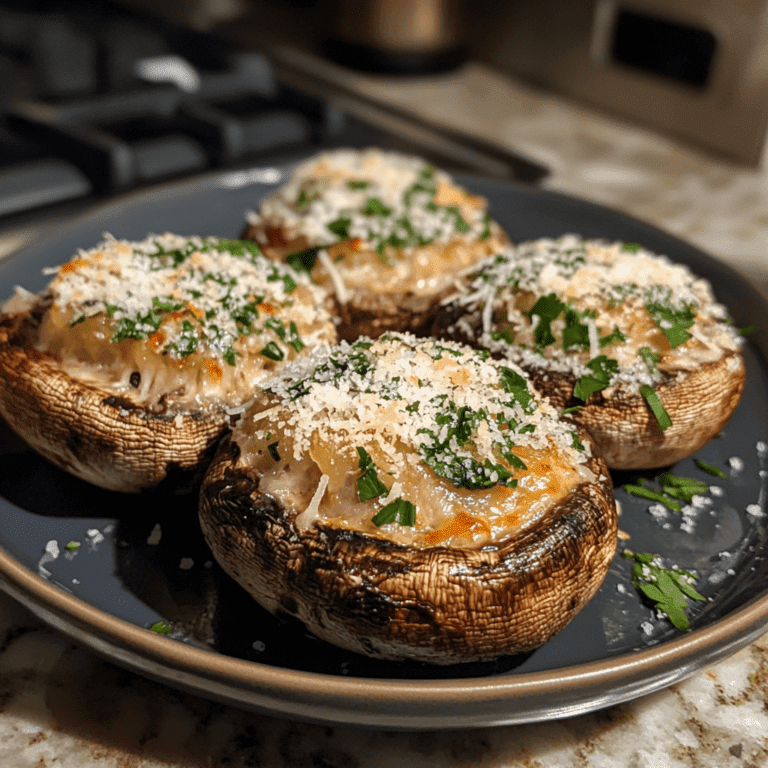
(96, 100)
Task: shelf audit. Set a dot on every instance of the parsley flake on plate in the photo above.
(667, 588)
(710, 469)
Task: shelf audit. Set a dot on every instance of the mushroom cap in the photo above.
(115, 375)
(365, 312)
(440, 604)
(698, 379)
(104, 438)
(387, 276)
(622, 427)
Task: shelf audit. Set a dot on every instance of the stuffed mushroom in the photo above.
(129, 367)
(633, 346)
(386, 233)
(410, 499)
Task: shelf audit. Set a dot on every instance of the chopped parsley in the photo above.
(311, 190)
(73, 546)
(576, 442)
(672, 322)
(503, 334)
(368, 484)
(667, 588)
(650, 357)
(486, 233)
(710, 469)
(400, 510)
(656, 406)
(684, 488)
(302, 261)
(273, 451)
(340, 227)
(546, 309)
(614, 337)
(142, 326)
(673, 490)
(459, 222)
(575, 333)
(288, 282)
(186, 342)
(292, 339)
(601, 368)
(424, 185)
(456, 428)
(161, 628)
(273, 352)
(516, 385)
(241, 248)
(302, 201)
(651, 494)
(374, 207)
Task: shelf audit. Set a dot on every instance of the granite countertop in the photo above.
(62, 707)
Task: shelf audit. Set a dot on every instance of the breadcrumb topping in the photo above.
(380, 198)
(437, 396)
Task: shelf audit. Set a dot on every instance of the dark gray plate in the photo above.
(117, 584)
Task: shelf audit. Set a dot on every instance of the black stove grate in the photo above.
(96, 100)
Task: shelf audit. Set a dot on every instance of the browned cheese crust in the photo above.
(440, 604)
(114, 442)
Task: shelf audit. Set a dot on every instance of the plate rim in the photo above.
(263, 687)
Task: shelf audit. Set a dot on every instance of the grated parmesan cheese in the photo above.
(624, 301)
(459, 436)
(184, 320)
(389, 222)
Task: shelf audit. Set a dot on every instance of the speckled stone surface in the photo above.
(62, 707)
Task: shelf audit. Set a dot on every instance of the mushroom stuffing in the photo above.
(410, 499)
(632, 346)
(127, 369)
